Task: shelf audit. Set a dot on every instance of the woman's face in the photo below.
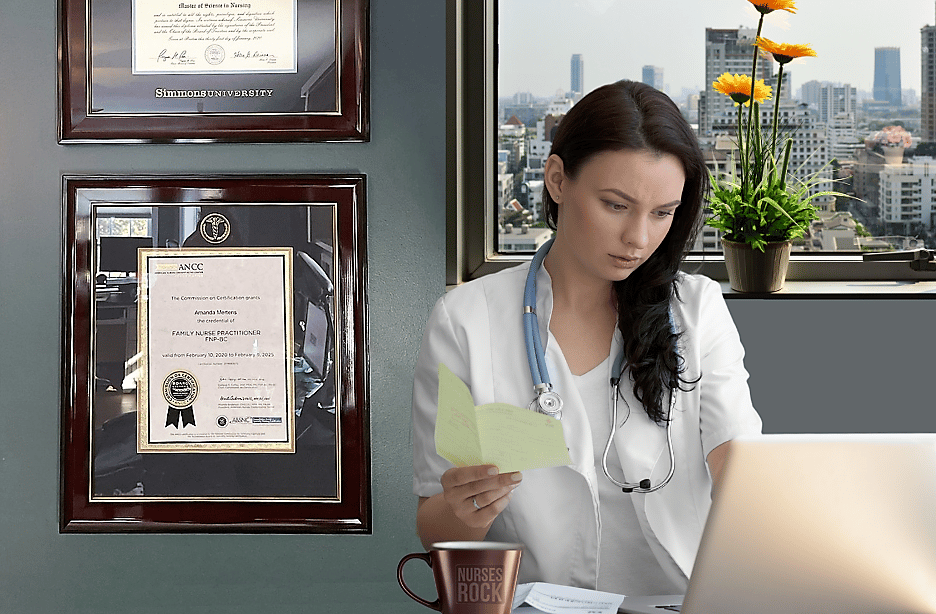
(616, 211)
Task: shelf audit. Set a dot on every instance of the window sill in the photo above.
(857, 289)
(847, 279)
(831, 276)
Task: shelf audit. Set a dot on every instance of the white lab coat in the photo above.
(476, 330)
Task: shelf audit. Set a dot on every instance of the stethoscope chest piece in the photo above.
(547, 402)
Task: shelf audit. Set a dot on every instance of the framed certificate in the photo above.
(216, 332)
(227, 71)
(214, 335)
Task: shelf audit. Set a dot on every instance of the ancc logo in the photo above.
(180, 267)
(214, 228)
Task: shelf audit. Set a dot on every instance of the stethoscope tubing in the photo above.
(534, 343)
(536, 358)
(627, 486)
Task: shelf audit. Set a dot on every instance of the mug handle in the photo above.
(435, 605)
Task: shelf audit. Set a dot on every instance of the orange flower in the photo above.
(783, 52)
(769, 6)
(738, 88)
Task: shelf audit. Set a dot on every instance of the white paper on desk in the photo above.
(557, 599)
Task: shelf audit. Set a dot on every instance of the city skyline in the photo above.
(616, 38)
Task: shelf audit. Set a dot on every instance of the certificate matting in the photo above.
(216, 340)
(110, 486)
(227, 71)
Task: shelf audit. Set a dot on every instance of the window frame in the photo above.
(471, 48)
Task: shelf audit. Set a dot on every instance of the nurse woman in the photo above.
(624, 188)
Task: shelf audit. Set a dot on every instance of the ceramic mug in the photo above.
(471, 577)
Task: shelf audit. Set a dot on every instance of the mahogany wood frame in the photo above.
(350, 510)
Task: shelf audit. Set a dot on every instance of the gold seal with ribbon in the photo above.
(180, 389)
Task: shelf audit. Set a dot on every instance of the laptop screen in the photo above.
(821, 523)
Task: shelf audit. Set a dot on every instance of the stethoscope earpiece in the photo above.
(548, 402)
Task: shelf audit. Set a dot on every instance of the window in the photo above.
(120, 232)
(525, 60)
(117, 226)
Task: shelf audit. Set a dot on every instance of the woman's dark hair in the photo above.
(633, 116)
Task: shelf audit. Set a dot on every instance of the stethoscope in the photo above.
(548, 402)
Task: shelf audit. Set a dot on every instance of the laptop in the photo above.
(829, 524)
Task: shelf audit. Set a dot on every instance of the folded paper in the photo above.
(510, 437)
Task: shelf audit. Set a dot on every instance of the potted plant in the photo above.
(764, 210)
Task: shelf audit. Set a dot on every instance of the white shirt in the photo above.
(626, 564)
(477, 331)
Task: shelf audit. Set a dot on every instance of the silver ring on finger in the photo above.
(475, 501)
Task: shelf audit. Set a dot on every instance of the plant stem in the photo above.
(741, 148)
(760, 25)
(776, 115)
(744, 178)
(786, 164)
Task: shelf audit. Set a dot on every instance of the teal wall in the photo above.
(816, 365)
(42, 571)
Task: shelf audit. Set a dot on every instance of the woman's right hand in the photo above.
(478, 494)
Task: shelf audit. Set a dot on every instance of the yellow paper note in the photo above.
(513, 438)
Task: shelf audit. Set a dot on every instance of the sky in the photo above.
(618, 37)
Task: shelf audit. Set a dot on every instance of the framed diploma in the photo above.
(225, 70)
(215, 377)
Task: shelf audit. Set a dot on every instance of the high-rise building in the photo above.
(842, 137)
(727, 51)
(908, 195)
(578, 76)
(830, 99)
(887, 75)
(837, 107)
(653, 76)
(836, 99)
(809, 93)
(928, 83)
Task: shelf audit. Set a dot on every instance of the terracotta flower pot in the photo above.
(750, 270)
